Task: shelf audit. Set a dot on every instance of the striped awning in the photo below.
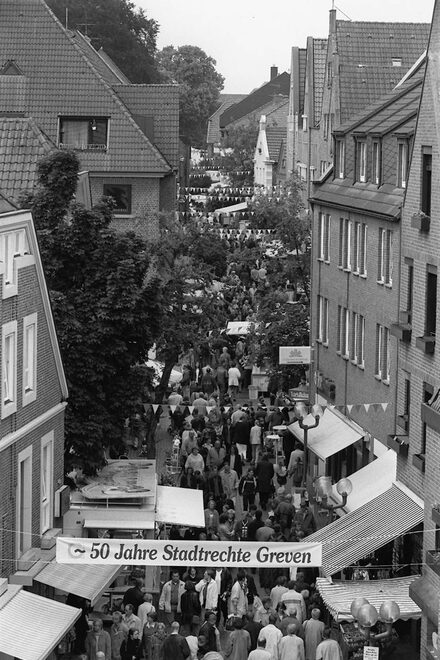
(338, 596)
(354, 536)
(32, 626)
(86, 581)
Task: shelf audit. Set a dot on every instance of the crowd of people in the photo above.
(212, 615)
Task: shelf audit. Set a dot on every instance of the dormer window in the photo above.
(396, 61)
(361, 153)
(340, 158)
(402, 163)
(83, 133)
(376, 161)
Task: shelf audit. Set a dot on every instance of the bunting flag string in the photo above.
(341, 408)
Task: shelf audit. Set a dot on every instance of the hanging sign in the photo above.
(184, 553)
(294, 355)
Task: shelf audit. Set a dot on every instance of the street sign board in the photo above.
(294, 354)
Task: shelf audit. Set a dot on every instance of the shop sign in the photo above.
(184, 553)
(294, 355)
(371, 653)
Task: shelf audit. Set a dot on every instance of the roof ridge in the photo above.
(340, 22)
(109, 88)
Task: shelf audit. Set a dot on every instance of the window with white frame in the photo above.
(362, 161)
(343, 333)
(345, 229)
(360, 248)
(322, 324)
(340, 158)
(375, 162)
(382, 369)
(385, 257)
(29, 358)
(402, 163)
(46, 482)
(12, 244)
(24, 502)
(304, 123)
(358, 340)
(9, 366)
(324, 236)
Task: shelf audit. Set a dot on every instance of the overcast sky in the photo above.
(247, 37)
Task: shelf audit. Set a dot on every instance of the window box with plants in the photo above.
(399, 444)
(418, 461)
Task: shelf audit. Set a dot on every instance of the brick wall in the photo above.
(423, 249)
(145, 203)
(377, 303)
(49, 394)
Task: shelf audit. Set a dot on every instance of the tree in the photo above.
(105, 315)
(283, 212)
(238, 163)
(123, 31)
(200, 86)
(192, 307)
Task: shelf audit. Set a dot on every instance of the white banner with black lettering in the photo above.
(184, 553)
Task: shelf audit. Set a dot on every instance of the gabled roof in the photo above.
(225, 102)
(22, 145)
(256, 99)
(366, 53)
(63, 81)
(276, 114)
(275, 136)
(319, 60)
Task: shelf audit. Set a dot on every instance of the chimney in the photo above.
(273, 72)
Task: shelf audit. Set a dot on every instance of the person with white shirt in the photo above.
(272, 635)
(208, 592)
(145, 609)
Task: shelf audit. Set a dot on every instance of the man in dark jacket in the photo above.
(175, 647)
(264, 473)
(223, 577)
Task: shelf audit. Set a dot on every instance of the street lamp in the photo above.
(367, 616)
(301, 411)
(323, 486)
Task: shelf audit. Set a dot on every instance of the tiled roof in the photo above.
(99, 63)
(225, 102)
(390, 111)
(319, 60)
(275, 136)
(344, 194)
(279, 85)
(62, 81)
(114, 67)
(159, 103)
(366, 53)
(22, 145)
(277, 113)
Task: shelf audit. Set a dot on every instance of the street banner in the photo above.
(184, 553)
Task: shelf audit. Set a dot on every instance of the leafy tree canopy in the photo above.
(283, 211)
(105, 315)
(238, 163)
(123, 31)
(200, 86)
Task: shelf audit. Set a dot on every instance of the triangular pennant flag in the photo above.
(280, 408)
(227, 408)
(349, 408)
(367, 407)
(356, 406)
(173, 409)
(375, 406)
(191, 409)
(147, 406)
(209, 408)
(155, 407)
(384, 406)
